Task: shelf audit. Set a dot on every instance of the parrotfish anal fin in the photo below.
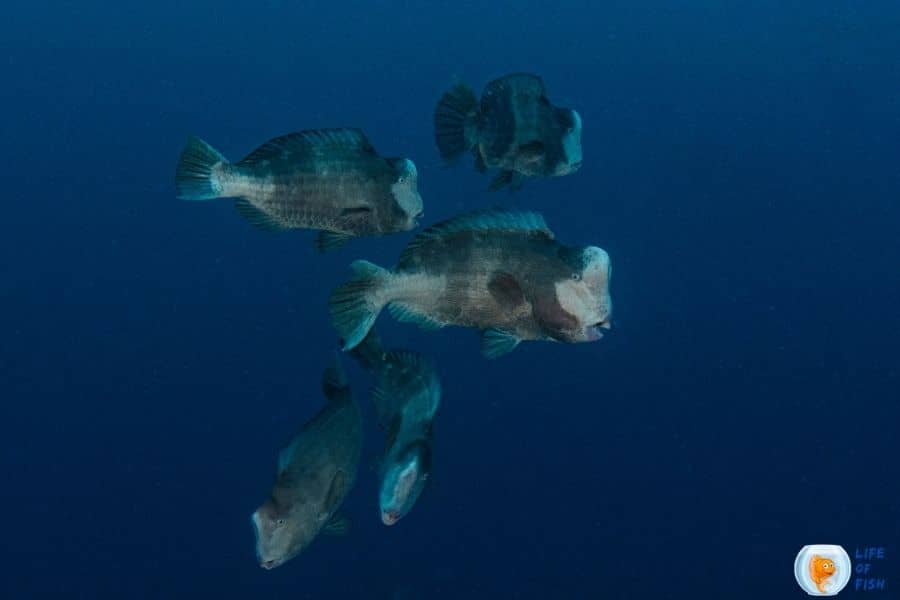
(335, 142)
(495, 219)
(407, 314)
(256, 217)
(502, 179)
(339, 524)
(336, 491)
(496, 343)
(505, 289)
(327, 241)
(334, 382)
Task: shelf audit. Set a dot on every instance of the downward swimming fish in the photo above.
(499, 271)
(406, 397)
(326, 179)
(315, 472)
(513, 128)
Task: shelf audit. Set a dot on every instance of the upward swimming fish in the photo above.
(315, 472)
(499, 271)
(326, 179)
(513, 129)
(406, 397)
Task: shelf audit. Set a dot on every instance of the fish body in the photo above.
(331, 180)
(406, 396)
(501, 272)
(315, 472)
(513, 129)
(820, 571)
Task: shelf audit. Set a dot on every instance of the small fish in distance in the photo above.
(513, 129)
(406, 397)
(315, 472)
(499, 271)
(326, 179)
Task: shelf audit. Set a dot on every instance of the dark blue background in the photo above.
(741, 168)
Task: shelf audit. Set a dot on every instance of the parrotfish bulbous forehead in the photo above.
(272, 539)
(585, 296)
(405, 191)
(402, 483)
(571, 143)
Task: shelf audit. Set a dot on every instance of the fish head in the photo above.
(568, 122)
(404, 478)
(583, 296)
(280, 534)
(405, 192)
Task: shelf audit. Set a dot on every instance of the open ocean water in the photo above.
(740, 167)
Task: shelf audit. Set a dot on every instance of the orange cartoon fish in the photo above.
(820, 569)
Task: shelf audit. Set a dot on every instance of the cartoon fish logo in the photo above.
(822, 569)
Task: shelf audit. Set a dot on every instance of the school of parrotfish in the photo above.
(500, 271)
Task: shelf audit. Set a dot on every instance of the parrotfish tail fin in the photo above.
(454, 110)
(194, 177)
(334, 381)
(355, 305)
(370, 353)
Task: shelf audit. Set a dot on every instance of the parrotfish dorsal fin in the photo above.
(496, 219)
(342, 141)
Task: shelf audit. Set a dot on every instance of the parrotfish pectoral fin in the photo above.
(194, 179)
(518, 180)
(338, 525)
(257, 218)
(496, 343)
(336, 491)
(327, 241)
(355, 305)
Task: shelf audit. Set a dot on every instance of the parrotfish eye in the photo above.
(401, 179)
(279, 522)
(576, 276)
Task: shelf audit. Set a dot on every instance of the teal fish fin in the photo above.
(336, 491)
(518, 180)
(454, 112)
(496, 342)
(479, 160)
(334, 381)
(407, 314)
(327, 241)
(256, 217)
(313, 142)
(339, 525)
(355, 304)
(501, 180)
(194, 179)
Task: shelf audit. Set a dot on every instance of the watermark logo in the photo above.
(822, 569)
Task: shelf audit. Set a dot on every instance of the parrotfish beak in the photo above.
(389, 517)
(595, 331)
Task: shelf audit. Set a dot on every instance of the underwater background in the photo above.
(740, 167)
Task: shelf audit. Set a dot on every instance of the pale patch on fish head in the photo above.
(403, 481)
(585, 295)
(280, 535)
(570, 123)
(405, 190)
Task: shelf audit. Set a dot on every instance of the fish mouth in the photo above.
(595, 331)
(389, 517)
(576, 165)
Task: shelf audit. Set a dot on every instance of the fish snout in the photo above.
(270, 564)
(389, 517)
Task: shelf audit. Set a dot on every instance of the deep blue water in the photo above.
(741, 168)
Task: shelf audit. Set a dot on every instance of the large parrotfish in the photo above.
(315, 472)
(406, 397)
(326, 179)
(514, 129)
(502, 272)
